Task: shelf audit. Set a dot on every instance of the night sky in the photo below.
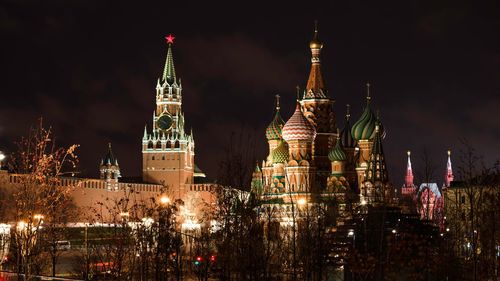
(90, 69)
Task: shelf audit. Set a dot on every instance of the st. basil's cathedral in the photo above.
(310, 159)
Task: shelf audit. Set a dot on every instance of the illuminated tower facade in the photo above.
(375, 186)
(317, 107)
(299, 135)
(409, 189)
(167, 150)
(449, 172)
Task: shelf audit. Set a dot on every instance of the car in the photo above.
(63, 245)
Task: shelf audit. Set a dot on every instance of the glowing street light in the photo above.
(2, 157)
(124, 214)
(394, 231)
(350, 233)
(301, 202)
(38, 217)
(164, 200)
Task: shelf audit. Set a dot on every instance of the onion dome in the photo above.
(298, 127)
(337, 153)
(273, 131)
(364, 128)
(280, 153)
(345, 135)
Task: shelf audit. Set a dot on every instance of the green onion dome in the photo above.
(273, 131)
(298, 127)
(337, 153)
(280, 153)
(364, 128)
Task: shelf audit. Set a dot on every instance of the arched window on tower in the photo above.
(150, 144)
(177, 144)
(158, 144)
(169, 144)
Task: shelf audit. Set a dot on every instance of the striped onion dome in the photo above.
(280, 153)
(337, 153)
(364, 128)
(345, 135)
(273, 131)
(298, 127)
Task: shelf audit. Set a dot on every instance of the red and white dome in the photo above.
(298, 127)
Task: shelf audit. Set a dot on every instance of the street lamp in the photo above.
(2, 157)
(301, 202)
(164, 200)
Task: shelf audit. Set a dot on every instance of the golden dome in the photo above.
(315, 43)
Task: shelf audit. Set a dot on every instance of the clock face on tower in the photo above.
(165, 122)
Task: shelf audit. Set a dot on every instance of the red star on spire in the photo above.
(170, 39)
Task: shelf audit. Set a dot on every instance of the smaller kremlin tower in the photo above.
(110, 170)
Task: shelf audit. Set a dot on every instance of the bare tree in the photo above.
(38, 193)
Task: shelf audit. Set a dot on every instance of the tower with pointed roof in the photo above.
(374, 187)
(167, 150)
(110, 170)
(317, 107)
(449, 172)
(409, 189)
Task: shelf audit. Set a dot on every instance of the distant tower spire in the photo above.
(315, 88)
(169, 70)
(277, 102)
(409, 172)
(449, 171)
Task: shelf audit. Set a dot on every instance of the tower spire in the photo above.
(377, 171)
(277, 102)
(368, 97)
(169, 70)
(315, 88)
(449, 171)
(145, 136)
(409, 172)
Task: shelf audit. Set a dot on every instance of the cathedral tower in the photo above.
(167, 150)
(318, 109)
(375, 184)
(299, 134)
(363, 131)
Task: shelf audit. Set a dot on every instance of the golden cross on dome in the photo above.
(170, 39)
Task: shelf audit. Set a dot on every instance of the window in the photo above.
(152, 157)
(462, 199)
